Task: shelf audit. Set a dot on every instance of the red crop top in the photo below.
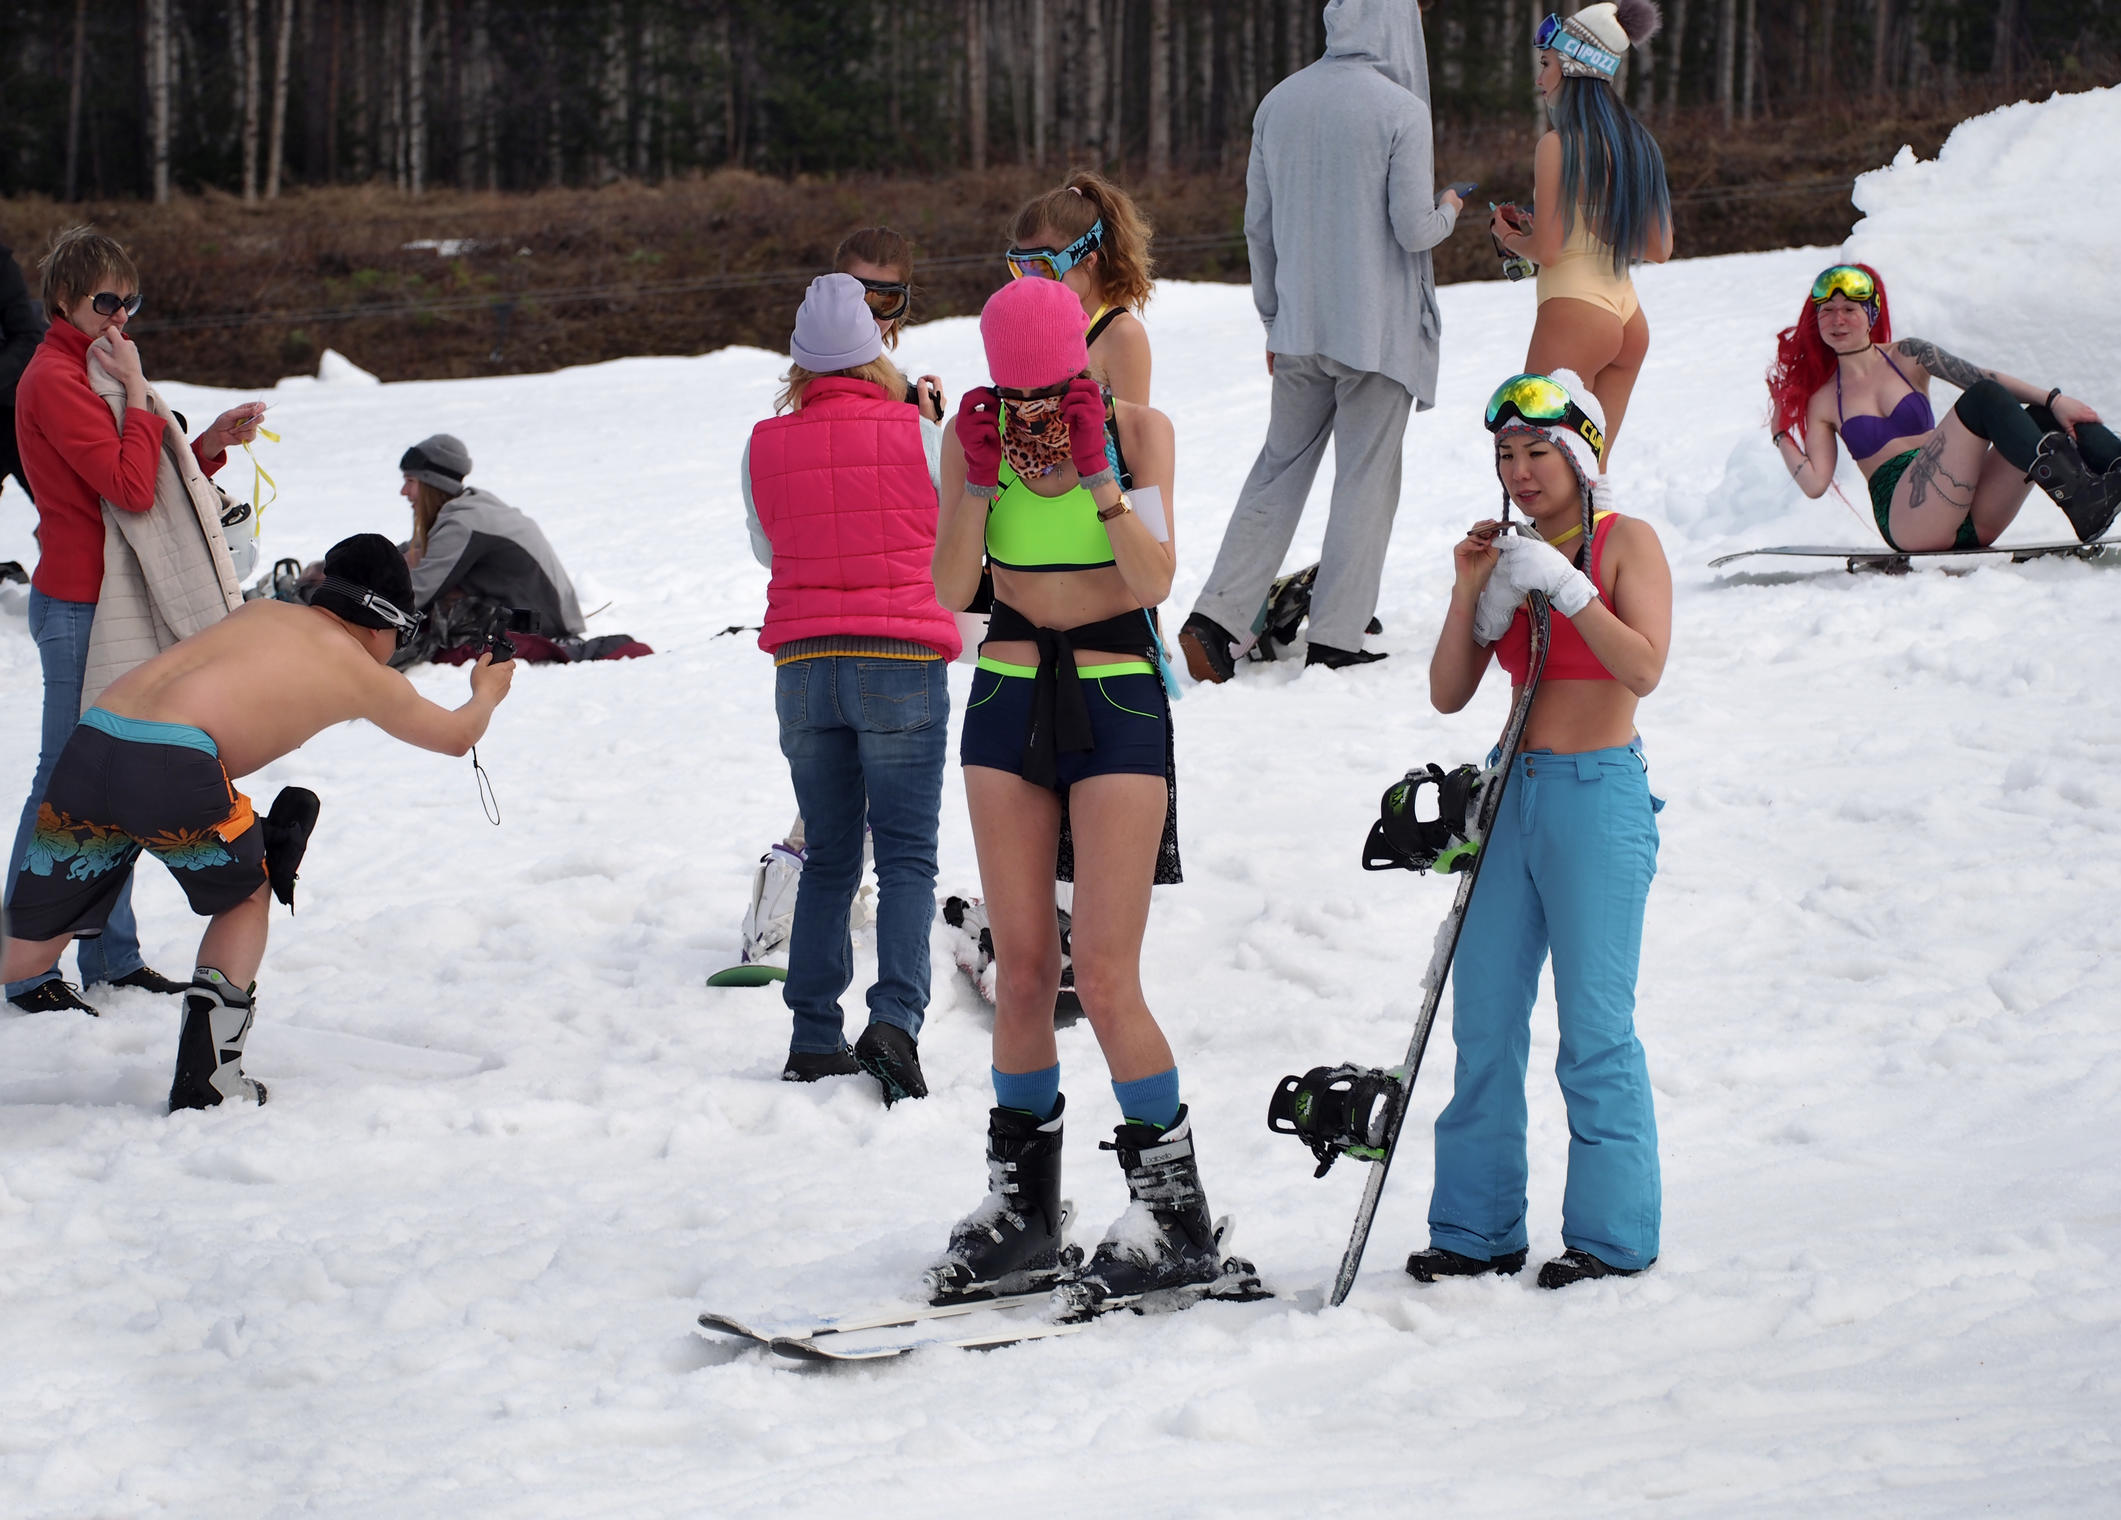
(1569, 658)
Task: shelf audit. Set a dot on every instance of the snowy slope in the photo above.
(515, 1145)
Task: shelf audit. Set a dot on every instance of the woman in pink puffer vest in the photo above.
(840, 482)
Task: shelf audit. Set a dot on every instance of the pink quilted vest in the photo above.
(842, 491)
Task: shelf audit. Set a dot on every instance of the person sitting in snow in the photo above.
(152, 767)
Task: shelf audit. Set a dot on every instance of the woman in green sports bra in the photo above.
(1067, 703)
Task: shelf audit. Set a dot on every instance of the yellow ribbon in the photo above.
(260, 480)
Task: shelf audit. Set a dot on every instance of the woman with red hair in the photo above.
(1838, 373)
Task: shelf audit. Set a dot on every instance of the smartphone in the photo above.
(1464, 189)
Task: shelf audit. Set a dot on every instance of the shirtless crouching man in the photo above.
(151, 767)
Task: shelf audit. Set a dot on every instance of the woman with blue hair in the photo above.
(1599, 204)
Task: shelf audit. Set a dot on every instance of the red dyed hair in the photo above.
(1803, 362)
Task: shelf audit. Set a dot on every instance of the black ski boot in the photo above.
(210, 1045)
(1434, 1263)
(2088, 499)
(1165, 1239)
(813, 1066)
(1340, 659)
(1573, 1266)
(892, 1056)
(1011, 1243)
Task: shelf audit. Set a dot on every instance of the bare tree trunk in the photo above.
(1159, 87)
(2004, 61)
(1677, 57)
(1041, 80)
(1205, 42)
(728, 90)
(415, 101)
(1881, 45)
(1115, 83)
(975, 34)
(158, 94)
(1295, 35)
(276, 157)
(646, 96)
(1752, 55)
(1093, 78)
(73, 99)
(249, 14)
(1535, 12)
(1726, 60)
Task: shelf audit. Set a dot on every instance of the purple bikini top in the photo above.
(1868, 435)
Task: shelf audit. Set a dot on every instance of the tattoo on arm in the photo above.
(1947, 367)
(1928, 474)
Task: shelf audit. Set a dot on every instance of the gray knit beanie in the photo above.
(834, 328)
(442, 461)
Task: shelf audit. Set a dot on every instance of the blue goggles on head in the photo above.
(1051, 264)
(1579, 55)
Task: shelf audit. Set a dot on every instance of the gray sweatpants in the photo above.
(1365, 414)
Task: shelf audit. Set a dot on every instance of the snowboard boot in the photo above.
(1340, 659)
(210, 1045)
(892, 1056)
(810, 1065)
(1207, 647)
(1011, 1243)
(2088, 499)
(1573, 1266)
(1165, 1239)
(1435, 1263)
(53, 997)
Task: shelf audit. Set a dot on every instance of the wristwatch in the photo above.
(1106, 514)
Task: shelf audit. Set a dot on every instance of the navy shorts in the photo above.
(1129, 719)
(123, 785)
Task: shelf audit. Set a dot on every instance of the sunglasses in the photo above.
(1845, 280)
(1553, 34)
(1043, 393)
(1543, 403)
(109, 303)
(888, 299)
(1050, 263)
(404, 623)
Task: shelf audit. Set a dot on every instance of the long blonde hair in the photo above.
(878, 371)
(427, 504)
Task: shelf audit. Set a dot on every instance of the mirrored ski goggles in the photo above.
(108, 303)
(1588, 56)
(404, 623)
(888, 299)
(1845, 280)
(1051, 264)
(1543, 403)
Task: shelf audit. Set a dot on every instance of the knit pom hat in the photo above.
(442, 461)
(834, 329)
(1610, 29)
(1033, 330)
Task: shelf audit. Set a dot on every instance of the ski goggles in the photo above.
(404, 623)
(1051, 264)
(1586, 56)
(1845, 280)
(888, 299)
(109, 303)
(1543, 403)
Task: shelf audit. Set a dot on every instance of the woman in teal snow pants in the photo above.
(1568, 864)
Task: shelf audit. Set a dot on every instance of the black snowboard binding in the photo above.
(1338, 1111)
(287, 828)
(2087, 498)
(210, 1045)
(1165, 1240)
(1013, 1242)
(1400, 840)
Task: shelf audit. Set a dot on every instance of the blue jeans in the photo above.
(865, 738)
(1568, 865)
(61, 631)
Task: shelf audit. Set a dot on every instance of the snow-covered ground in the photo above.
(515, 1145)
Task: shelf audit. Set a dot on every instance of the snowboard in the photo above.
(972, 947)
(1282, 613)
(1884, 561)
(749, 974)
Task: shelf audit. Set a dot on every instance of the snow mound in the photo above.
(334, 368)
(1968, 241)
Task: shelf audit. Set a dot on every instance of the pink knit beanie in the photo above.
(1033, 330)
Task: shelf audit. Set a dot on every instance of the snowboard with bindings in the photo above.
(1376, 1101)
(1884, 561)
(972, 947)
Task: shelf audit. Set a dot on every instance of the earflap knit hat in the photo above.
(1590, 474)
(370, 562)
(834, 328)
(442, 461)
(1033, 330)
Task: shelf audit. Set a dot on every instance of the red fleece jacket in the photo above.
(76, 459)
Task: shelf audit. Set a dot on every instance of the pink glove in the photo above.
(979, 434)
(1083, 408)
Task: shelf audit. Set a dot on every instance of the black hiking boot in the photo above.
(1207, 648)
(1340, 659)
(2088, 499)
(1011, 1243)
(147, 979)
(810, 1065)
(892, 1056)
(1573, 1266)
(210, 1045)
(55, 996)
(1165, 1239)
(1435, 1263)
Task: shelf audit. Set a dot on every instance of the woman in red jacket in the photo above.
(77, 458)
(860, 645)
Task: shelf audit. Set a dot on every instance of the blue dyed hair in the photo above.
(1612, 171)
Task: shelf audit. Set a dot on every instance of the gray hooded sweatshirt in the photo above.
(1340, 201)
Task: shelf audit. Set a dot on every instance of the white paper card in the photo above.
(1148, 504)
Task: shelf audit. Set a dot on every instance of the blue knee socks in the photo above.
(1034, 1092)
(1150, 1100)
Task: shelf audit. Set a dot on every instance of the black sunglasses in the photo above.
(107, 303)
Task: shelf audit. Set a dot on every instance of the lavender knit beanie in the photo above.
(834, 329)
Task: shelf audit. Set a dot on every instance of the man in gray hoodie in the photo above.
(1341, 211)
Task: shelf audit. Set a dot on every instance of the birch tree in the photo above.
(248, 16)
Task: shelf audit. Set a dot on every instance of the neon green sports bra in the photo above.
(1027, 531)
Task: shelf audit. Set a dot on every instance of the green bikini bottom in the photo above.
(1882, 483)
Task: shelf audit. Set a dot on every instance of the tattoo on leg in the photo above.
(1947, 367)
(1927, 471)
